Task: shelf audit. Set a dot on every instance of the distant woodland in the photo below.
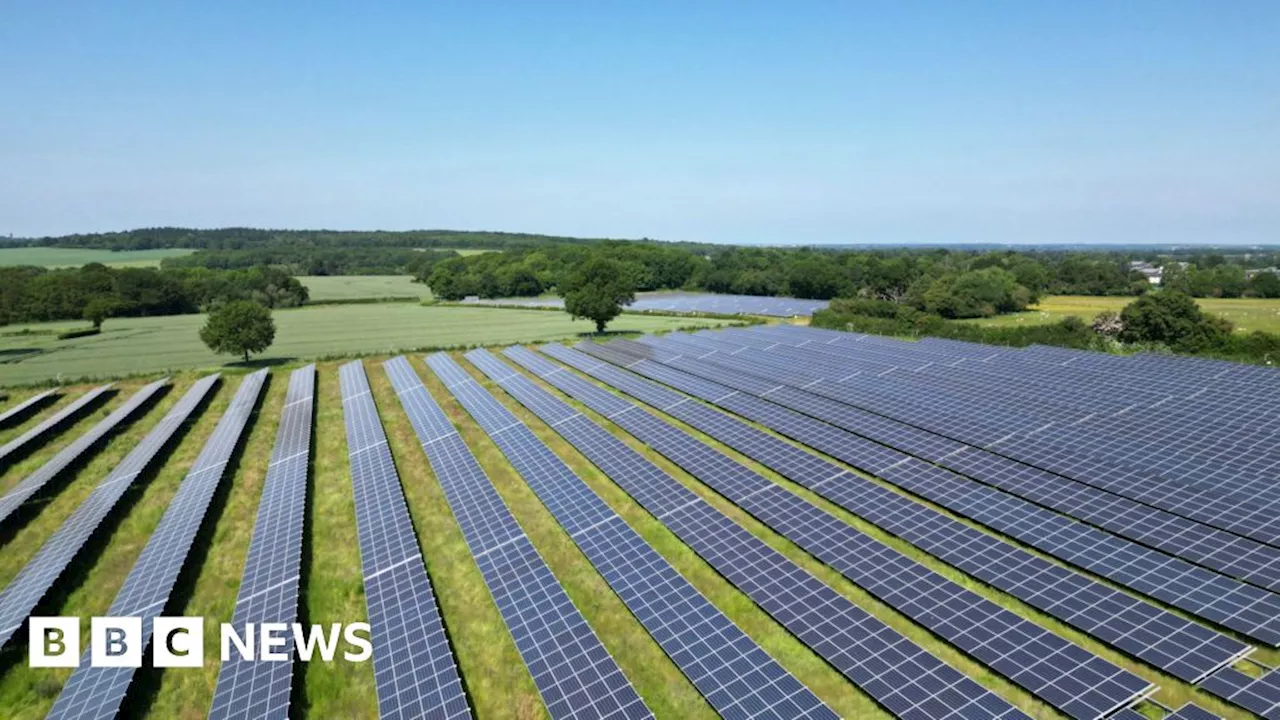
(241, 263)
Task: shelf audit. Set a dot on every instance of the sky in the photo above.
(735, 122)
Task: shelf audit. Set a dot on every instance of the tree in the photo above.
(239, 327)
(1265, 285)
(98, 309)
(597, 290)
(1172, 318)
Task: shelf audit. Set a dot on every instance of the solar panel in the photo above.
(1062, 674)
(77, 449)
(413, 666)
(24, 409)
(735, 675)
(1260, 696)
(97, 692)
(1192, 712)
(25, 591)
(886, 665)
(571, 668)
(246, 689)
(1249, 610)
(1248, 509)
(1215, 549)
(11, 451)
(1163, 639)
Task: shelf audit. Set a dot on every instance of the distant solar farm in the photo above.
(763, 522)
(713, 303)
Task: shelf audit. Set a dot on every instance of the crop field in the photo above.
(154, 344)
(493, 672)
(324, 288)
(1247, 313)
(75, 257)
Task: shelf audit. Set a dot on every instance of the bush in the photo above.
(82, 332)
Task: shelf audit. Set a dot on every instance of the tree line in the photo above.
(308, 260)
(1166, 319)
(96, 292)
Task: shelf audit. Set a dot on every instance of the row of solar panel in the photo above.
(1215, 597)
(366, 438)
(711, 391)
(1230, 467)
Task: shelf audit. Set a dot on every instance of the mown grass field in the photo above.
(69, 257)
(325, 288)
(145, 345)
(1247, 313)
(496, 680)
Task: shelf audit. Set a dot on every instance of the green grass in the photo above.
(1247, 313)
(150, 345)
(75, 257)
(323, 288)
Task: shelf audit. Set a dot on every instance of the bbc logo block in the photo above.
(178, 642)
(116, 642)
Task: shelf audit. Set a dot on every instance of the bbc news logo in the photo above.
(178, 642)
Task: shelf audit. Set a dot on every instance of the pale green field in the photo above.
(355, 287)
(75, 257)
(1247, 313)
(138, 345)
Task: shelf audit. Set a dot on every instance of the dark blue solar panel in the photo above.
(571, 668)
(26, 408)
(1167, 641)
(1260, 696)
(1045, 662)
(1214, 597)
(77, 449)
(97, 692)
(889, 667)
(735, 675)
(25, 591)
(272, 572)
(20, 446)
(413, 666)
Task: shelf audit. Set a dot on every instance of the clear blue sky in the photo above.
(752, 122)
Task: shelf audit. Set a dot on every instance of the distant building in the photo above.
(1149, 271)
(1251, 272)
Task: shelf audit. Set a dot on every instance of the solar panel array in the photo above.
(893, 670)
(248, 690)
(22, 444)
(1244, 608)
(1163, 639)
(735, 675)
(413, 666)
(97, 692)
(573, 671)
(1186, 712)
(1200, 543)
(1053, 454)
(693, 303)
(1062, 674)
(1259, 695)
(25, 591)
(76, 450)
(19, 412)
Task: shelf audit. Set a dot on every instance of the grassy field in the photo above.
(141, 345)
(69, 257)
(1247, 313)
(496, 680)
(358, 287)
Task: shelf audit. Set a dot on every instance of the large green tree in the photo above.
(597, 290)
(239, 327)
(1174, 319)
